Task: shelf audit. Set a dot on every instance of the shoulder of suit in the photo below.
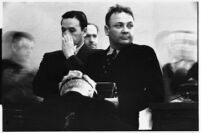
(141, 47)
(88, 49)
(136, 48)
(54, 53)
(97, 53)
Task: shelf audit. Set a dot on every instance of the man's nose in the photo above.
(29, 51)
(66, 32)
(125, 29)
(91, 39)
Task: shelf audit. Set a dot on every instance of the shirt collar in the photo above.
(110, 51)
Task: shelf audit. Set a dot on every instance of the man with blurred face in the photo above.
(91, 38)
(22, 50)
(21, 45)
(58, 63)
(134, 68)
(17, 70)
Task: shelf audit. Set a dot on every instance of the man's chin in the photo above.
(125, 43)
(121, 45)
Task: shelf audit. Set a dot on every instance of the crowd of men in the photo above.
(67, 78)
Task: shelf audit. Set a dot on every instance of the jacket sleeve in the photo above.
(51, 72)
(75, 63)
(154, 77)
(42, 85)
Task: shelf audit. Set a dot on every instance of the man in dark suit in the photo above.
(56, 64)
(134, 68)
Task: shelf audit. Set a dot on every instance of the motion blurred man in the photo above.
(17, 73)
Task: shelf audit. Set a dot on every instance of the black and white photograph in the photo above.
(99, 65)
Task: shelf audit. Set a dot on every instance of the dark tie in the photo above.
(111, 58)
(107, 66)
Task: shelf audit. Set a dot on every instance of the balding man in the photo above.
(91, 38)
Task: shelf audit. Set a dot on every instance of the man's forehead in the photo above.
(70, 22)
(91, 29)
(25, 42)
(121, 17)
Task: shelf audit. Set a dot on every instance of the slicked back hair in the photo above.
(117, 9)
(78, 15)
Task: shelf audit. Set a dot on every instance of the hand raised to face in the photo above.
(68, 46)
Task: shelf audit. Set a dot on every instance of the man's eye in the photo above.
(94, 36)
(87, 36)
(63, 29)
(71, 30)
(118, 26)
(130, 26)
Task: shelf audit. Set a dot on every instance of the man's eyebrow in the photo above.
(125, 22)
(119, 22)
(71, 27)
(130, 22)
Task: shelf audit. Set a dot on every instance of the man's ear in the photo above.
(84, 31)
(13, 47)
(106, 28)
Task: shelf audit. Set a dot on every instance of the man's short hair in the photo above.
(18, 35)
(94, 25)
(117, 9)
(78, 15)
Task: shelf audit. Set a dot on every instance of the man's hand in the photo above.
(68, 46)
(77, 82)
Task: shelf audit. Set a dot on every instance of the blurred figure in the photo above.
(182, 48)
(17, 75)
(175, 75)
(91, 38)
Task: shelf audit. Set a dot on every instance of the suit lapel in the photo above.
(84, 52)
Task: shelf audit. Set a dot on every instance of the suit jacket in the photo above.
(91, 114)
(17, 84)
(137, 74)
(53, 67)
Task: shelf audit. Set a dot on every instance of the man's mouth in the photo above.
(124, 37)
(92, 45)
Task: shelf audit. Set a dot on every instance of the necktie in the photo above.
(113, 55)
(107, 66)
(111, 58)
